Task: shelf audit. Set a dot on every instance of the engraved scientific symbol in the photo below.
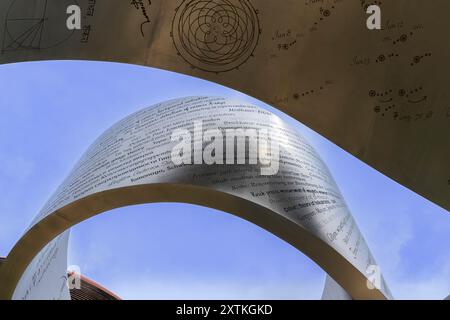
(36, 25)
(216, 35)
(402, 104)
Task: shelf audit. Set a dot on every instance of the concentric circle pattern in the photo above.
(216, 35)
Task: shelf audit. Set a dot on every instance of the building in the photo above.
(90, 290)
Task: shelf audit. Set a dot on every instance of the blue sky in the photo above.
(50, 112)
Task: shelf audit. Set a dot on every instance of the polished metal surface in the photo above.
(381, 95)
(333, 291)
(133, 163)
(45, 278)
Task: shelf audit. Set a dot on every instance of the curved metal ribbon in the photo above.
(132, 163)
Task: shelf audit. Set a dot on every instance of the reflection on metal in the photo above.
(380, 95)
(333, 291)
(131, 164)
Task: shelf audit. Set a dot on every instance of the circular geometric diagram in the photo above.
(36, 25)
(217, 35)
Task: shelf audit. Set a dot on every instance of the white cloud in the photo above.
(436, 286)
(392, 237)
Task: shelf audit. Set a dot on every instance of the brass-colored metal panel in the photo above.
(381, 95)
